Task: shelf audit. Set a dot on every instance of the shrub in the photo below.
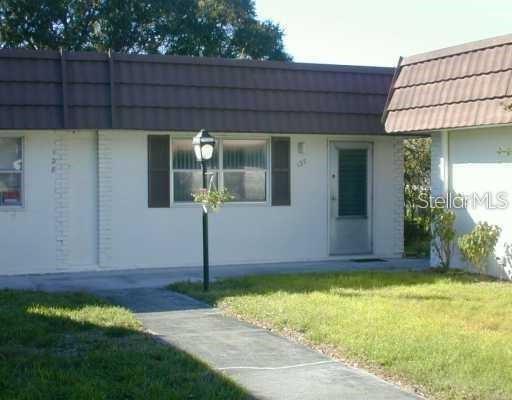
(443, 235)
(479, 244)
(417, 237)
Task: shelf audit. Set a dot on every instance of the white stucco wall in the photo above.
(56, 228)
(474, 166)
(242, 233)
(86, 208)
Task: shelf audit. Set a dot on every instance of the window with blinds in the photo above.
(11, 171)
(353, 181)
(244, 170)
(240, 166)
(187, 175)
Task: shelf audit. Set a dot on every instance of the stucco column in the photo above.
(439, 175)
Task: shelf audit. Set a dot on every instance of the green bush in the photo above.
(417, 236)
(443, 235)
(479, 244)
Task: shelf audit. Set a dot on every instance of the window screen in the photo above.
(352, 173)
(245, 169)
(238, 165)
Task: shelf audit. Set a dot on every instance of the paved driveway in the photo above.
(268, 366)
(153, 278)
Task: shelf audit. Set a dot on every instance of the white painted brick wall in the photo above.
(398, 193)
(104, 199)
(61, 167)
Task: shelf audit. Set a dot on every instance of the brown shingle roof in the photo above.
(47, 90)
(459, 86)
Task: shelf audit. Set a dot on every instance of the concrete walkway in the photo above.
(268, 366)
(153, 278)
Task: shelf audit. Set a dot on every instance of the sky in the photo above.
(366, 32)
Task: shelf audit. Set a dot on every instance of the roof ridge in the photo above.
(196, 60)
(450, 51)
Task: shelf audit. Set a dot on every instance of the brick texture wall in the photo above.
(398, 192)
(104, 198)
(62, 191)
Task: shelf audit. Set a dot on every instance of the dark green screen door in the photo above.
(350, 193)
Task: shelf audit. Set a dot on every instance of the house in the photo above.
(460, 95)
(97, 168)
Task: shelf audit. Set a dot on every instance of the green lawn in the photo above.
(74, 346)
(448, 334)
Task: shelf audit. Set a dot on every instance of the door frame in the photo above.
(370, 188)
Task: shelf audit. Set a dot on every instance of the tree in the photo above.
(216, 28)
(416, 174)
(417, 186)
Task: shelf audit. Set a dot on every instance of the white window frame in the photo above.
(11, 207)
(220, 170)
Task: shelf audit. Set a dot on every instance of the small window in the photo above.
(11, 172)
(245, 169)
(187, 176)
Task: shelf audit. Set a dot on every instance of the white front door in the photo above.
(350, 177)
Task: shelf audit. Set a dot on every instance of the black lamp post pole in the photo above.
(206, 266)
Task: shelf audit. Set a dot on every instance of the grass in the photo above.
(448, 335)
(75, 346)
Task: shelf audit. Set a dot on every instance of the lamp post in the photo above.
(203, 145)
